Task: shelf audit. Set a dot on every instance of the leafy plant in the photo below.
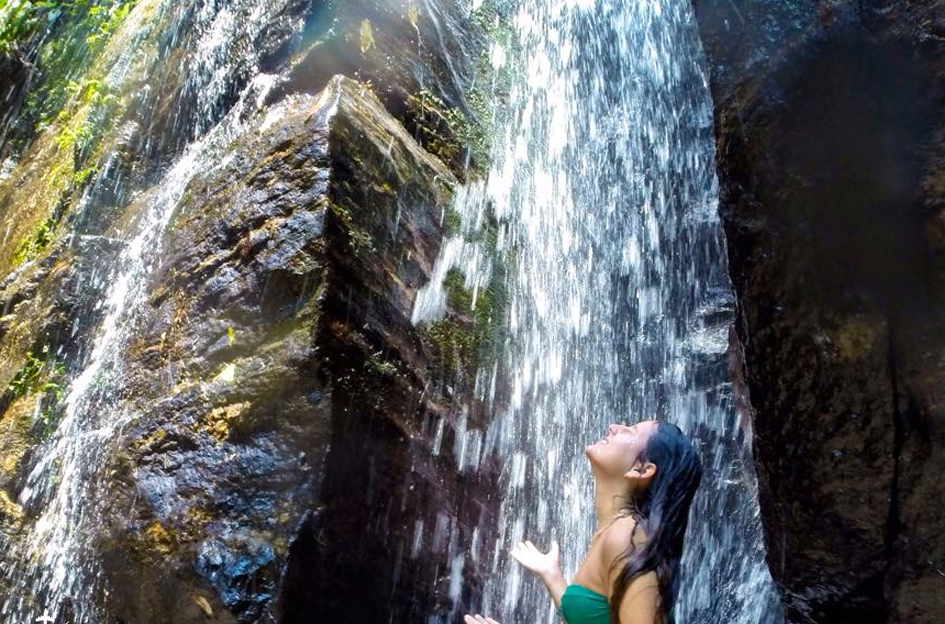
(41, 374)
(31, 246)
(78, 30)
(18, 20)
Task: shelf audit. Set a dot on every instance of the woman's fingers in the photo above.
(520, 552)
(533, 549)
(526, 549)
(478, 619)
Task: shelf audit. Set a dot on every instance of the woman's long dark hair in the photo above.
(662, 510)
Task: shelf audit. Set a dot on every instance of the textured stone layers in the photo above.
(828, 122)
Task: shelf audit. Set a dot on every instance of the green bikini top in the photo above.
(580, 605)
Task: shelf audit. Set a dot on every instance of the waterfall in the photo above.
(603, 185)
(57, 573)
(603, 197)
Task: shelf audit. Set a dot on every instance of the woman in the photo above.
(645, 476)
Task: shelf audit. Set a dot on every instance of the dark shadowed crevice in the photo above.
(300, 590)
(893, 521)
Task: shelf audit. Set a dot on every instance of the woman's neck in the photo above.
(609, 499)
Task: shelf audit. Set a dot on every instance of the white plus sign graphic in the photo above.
(45, 618)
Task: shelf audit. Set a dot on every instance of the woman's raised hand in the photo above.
(478, 619)
(542, 564)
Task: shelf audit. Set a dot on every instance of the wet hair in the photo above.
(662, 509)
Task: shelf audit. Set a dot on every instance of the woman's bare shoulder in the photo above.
(620, 535)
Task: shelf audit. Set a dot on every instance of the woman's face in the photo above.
(617, 452)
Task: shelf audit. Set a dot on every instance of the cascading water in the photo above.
(57, 575)
(620, 305)
(604, 190)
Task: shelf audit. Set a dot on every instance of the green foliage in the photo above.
(109, 18)
(37, 374)
(90, 91)
(45, 375)
(451, 132)
(445, 130)
(81, 135)
(32, 245)
(82, 28)
(359, 239)
(18, 20)
(458, 297)
(25, 378)
(493, 16)
(470, 333)
(82, 176)
(49, 417)
(452, 222)
(70, 135)
(453, 346)
(381, 366)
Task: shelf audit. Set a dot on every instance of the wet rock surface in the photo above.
(290, 452)
(283, 449)
(829, 143)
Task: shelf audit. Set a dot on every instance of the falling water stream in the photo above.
(604, 187)
(57, 575)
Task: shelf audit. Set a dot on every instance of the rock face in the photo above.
(293, 454)
(829, 148)
(280, 477)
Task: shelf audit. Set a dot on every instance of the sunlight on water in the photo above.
(604, 192)
(62, 485)
(604, 189)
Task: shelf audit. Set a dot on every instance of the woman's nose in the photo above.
(612, 429)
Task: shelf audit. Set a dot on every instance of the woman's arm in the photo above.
(556, 584)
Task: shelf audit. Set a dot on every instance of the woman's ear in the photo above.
(641, 474)
(648, 471)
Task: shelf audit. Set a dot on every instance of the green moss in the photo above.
(446, 131)
(360, 240)
(452, 346)
(451, 132)
(27, 378)
(47, 422)
(452, 222)
(43, 375)
(31, 246)
(493, 16)
(381, 366)
(469, 334)
(79, 31)
(79, 178)
(458, 297)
